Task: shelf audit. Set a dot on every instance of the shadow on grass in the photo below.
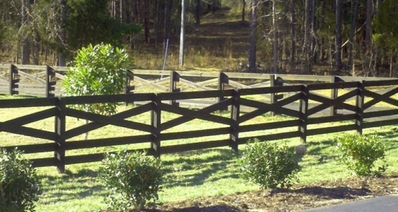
(69, 186)
(330, 193)
(200, 169)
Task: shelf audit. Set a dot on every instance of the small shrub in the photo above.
(19, 185)
(360, 154)
(269, 165)
(133, 179)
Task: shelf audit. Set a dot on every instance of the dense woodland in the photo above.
(350, 37)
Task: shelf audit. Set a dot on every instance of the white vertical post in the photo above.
(182, 34)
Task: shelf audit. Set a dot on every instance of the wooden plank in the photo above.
(3, 79)
(267, 126)
(107, 120)
(32, 148)
(75, 159)
(266, 90)
(333, 129)
(34, 102)
(324, 86)
(360, 79)
(311, 78)
(243, 75)
(194, 85)
(379, 113)
(328, 119)
(208, 82)
(270, 137)
(20, 130)
(194, 146)
(378, 82)
(194, 94)
(195, 133)
(95, 125)
(108, 98)
(31, 117)
(103, 142)
(151, 84)
(43, 162)
(379, 123)
(183, 119)
(31, 77)
(386, 97)
(188, 115)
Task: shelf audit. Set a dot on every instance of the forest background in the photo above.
(345, 37)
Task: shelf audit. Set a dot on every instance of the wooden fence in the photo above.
(299, 107)
(45, 81)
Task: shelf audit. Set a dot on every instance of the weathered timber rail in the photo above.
(234, 127)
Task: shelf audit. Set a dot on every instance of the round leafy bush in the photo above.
(19, 184)
(269, 165)
(361, 152)
(133, 179)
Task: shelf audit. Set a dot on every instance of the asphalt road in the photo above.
(378, 204)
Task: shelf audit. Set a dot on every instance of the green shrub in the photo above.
(19, 185)
(361, 152)
(133, 179)
(269, 165)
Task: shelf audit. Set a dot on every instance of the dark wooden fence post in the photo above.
(222, 80)
(359, 107)
(14, 81)
(275, 82)
(334, 94)
(50, 85)
(174, 79)
(235, 110)
(128, 88)
(303, 113)
(156, 122)
(59, 153)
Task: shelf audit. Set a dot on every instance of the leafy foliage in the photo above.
(19, 186)
(269, 165)
(97, 70)
(132, 179)
(361, 152)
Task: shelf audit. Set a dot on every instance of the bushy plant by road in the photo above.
(19, 185)
(132, 179)
(97, 70)
(360, 153)
(270, 165)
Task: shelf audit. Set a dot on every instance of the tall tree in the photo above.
(339, 14)
(62, 34)
(292, 36)
(253, 36)
(25, 42)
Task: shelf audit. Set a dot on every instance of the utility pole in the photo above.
(182, 33)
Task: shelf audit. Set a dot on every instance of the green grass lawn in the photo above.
(188, 174)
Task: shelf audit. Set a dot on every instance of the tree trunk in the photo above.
(293, 37)
(253, 36)
(167, 21)
(243, 10)
(275, 40)
(25, 43)
(197, 12)
(146, 20)
(354, 11)
(62, 37)
(339, 8)
(368, 35)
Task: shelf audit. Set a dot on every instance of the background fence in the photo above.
(304, 107)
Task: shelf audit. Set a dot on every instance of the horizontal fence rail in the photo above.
(229, 115)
